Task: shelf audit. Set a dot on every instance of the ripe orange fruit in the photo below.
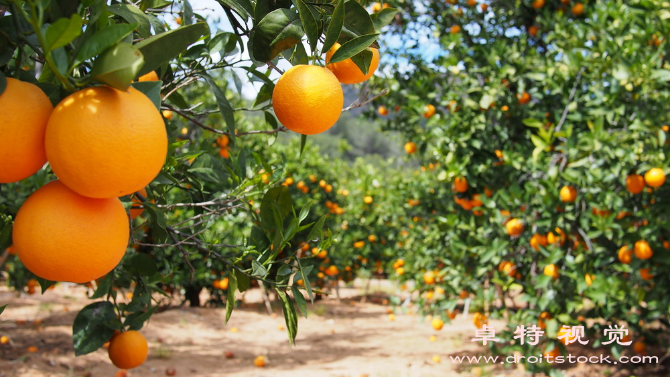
(105, 143)
(472, 3)
(376, 7)
(645, 275)
(400, 271)
(552, 270)
(553, 353)
(464, 294)
(331, 270)
(568, 194)
(4, 339)
(359, 244)
(533, 29)
(479, 320)
(223, 140)
(578, 9)
(368, 200)
(429, 277)
(461, 184)
(224, 152)
(625, 254)
(25, 112)
(455, 29)
(151, 76)
(128, 349)
(556, 239)
(428, 111)
(634, 183)
(383, 111)
(538, 240)
(32, 349)
(167, 114)
(640, 348)
(655, 177)
(514, 227)
(259, 361)
(437, 323)
(56, 229)
(589, 278)
(524, 98)
(484, 7)
(508, 268)
(642, 250)
(537, 4)
(410, 147)
(308, 99)
(171, 371)
(346, 71)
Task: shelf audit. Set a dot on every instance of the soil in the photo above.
(354, 337)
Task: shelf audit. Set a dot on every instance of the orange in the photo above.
(428, 111)
(437, 324)
(222, 141)
(359, 244)
(4, 339)
(383, 111)
(331, 270)
(224, 152)
(568, 335)
(410, 147)
(376, 7)
(589, 278)
(552, 270)
(634, 183)
(346, 71)
(508, 268)
(32, 349)
(484, 7)
(524, 98)
(128, 349)
(461, 184)
(136, 212)
(25, 112)
(553, 353)
(372, 238)
(259, 361)
(645, 275)
(642, 250)
(151, 76)
(429, 277)
(308, 99)
(11, 251)
(400, 271)
(538, 240)
(455, 29)
(167, 114)
(479, 320)
(537, 4)
(639, 347)
(568, 194)
(368, 200)
(533, 29)
(514, 227)
(578, 9)
(472, 3)
(105, 143)
(655, 177)
(556, 239)
(625, 254)
(60, 235)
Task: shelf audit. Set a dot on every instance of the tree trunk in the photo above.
(193, 295)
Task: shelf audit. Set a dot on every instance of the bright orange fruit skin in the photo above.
(308, 99)
(105, 143)
(346, 71)
(25, 111)
(128, 349)
(60, 235)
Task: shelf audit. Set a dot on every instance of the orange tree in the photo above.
(556, 110)
(106, 94)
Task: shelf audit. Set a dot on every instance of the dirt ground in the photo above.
(349, 338)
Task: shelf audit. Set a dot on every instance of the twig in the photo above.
(572, 95)
(365, 101)
(220, 132)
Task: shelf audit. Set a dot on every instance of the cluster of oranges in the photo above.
(101, 143)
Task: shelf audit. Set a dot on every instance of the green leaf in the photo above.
(304, 275)
(151, 89)
(243, 281)
(357, 21)
(102, 40)
(62, 32)
(258, 269)
(363, 60)
(661, 75)
(242, 7)
(141, 264)
(3, 82)
(104, 286)
(300, 300)
(279, 30)
(290, 316)
(162, 48)
(44, 283)
(303, 142)
(118, 66)
(230, 299)
(284, 270)
(383, 18)
(276, 198)
(224, 106)
(308, 24)
(133, 15)
(159, 228)
(353, 47)
(2, 308)
(89, 331)
(316, 229)
(135, 321)
(187, 17)
(335, 26)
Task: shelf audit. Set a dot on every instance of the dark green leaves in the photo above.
(103, 286)
(300, 300)
(230, 299)
(242, 7)
(159, 228)
(275, 206)
(89, 331)
(118, 66)
(62, 32)
(383, 18)
(278, 31)
(290, 316)
(133, 15)
(102, 40)
(357, 21)
(163, 47)
(151, 89)
(353, 47)
(141, 264)
(308, 24)
(224, 106)
(3, 83)
(335, 26)
(2, 308)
